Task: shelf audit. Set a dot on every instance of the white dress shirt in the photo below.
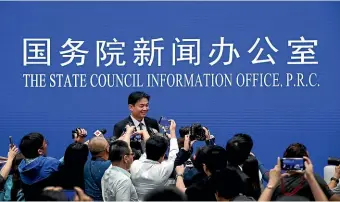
(147, 175)
(136, 123)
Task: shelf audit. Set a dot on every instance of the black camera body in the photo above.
(75, 133)
(333, 161)
(197, 132)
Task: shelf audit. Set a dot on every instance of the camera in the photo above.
(333, 161)
(75, 133)
(196, 132)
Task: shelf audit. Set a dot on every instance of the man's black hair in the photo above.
(134, 97)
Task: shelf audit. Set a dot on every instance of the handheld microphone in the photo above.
(100, 132)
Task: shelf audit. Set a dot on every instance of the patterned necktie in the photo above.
(140, 126)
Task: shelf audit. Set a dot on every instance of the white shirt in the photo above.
(117, 186)
(147, 175)
(136, 123)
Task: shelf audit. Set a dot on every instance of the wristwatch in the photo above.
(336, 180)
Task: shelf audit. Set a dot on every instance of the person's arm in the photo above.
(7, 167)
(117, 131)
(332, 184)
(182, 157)
(123, 190)
(209, 139)
(167, 166)
(179, 178)
(317, 192)
(184, 154)
(325, 189)
(274, 179)
(127, 136)
(173, 142)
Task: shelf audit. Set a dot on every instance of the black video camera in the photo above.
(75, 132)
(196, 132)
(333, 161)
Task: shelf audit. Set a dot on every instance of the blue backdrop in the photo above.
(274, 117)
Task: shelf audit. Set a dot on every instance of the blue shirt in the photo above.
(94, 170)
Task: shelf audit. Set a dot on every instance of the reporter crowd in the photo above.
(164, 167)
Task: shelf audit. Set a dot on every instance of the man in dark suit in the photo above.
(139, 106)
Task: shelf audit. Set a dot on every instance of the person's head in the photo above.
(75, 156)
(165, 194)
(121, 154)
(99, 147)
(210, 159)
(227, 184)
(180, 142)
(238, 148)
(155, 148)
(33, 145)
(296, 150)
(184, 131)
(138, 104)
(251, 168)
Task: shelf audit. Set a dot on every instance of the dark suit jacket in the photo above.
(135, 146)
(120, 126)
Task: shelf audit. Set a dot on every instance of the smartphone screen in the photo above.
(292, 164)
(164, 122)
(70, 194)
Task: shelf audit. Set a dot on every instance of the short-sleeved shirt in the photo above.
(94, 170)
(117, 185)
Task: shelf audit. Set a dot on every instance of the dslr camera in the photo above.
(196, 132)
(333, 161)
(75, 133)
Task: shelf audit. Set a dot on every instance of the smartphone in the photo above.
(164, 123)
(11, 141)
(292, 164)
(70, 194)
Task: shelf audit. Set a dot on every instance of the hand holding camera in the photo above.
(197, 132)
(79, 135)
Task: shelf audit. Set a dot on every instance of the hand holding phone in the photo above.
(11, 142)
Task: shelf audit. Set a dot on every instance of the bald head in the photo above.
(97, 145)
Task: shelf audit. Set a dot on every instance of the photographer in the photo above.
(189, 135)
(151, 170)
(209, 160)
